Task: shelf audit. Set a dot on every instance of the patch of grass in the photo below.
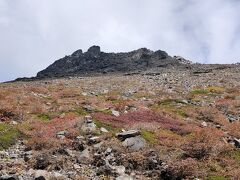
(199, 92)
(215, 89)
(236, 155)
(215, 168)
(216, 178)
(80, 112)
(100, 124)
(8, 135)
(171, 106)
(169, 102)
(181, 113)
(106, 111)
(44, 117)
(169, 138)
(149, 136)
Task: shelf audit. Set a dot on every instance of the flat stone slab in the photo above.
(128, 134)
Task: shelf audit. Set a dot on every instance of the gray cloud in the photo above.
(35, 33)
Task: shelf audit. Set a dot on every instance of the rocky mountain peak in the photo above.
(94, 50)
(94, 61)
(144, 51)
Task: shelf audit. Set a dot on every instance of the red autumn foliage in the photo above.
(44, 135)
(183, 169)
(144, 116)
(204, 143)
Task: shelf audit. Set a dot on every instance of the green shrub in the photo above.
(169, 102)
(44, 117)
(8, 135)
(106, 111)
(100, 124)
(149, 136)
(236, 155)
(80, 111)
(181, 113)
(199, 91)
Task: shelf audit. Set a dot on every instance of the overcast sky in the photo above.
(34, 33)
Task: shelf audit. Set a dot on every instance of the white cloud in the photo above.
(35, 33)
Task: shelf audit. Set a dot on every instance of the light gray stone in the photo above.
(115, 113)
(204, 124)
(89, 126)
(134, 143)
(104, 130)
(124, 177)
(57, 176)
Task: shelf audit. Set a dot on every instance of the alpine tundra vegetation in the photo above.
(136, 115)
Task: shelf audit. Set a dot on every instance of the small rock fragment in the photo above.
(104, 130)
(76, 166)
(204, 124)
(93, 140)
(115, 113)
(88, 119)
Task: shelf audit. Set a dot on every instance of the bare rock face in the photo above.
(77, 53)
(94, 51)
(95, 61)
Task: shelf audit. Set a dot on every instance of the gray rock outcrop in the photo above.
(95, 61)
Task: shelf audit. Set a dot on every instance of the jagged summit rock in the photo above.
(94, 51)
(77, 53)
(96, 61)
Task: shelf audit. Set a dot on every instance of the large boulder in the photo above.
(134, 143)
(84, 157)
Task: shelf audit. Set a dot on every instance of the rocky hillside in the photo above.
(172, 125)
(175, 121)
